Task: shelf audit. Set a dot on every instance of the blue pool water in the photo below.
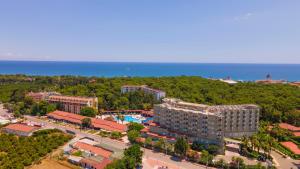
(129, 118)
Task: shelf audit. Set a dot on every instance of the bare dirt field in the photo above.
(53, 164)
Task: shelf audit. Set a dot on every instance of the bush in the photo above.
(104, 133)
(133, 135)
(135, 126)
(115, 135)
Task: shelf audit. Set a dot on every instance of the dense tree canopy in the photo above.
(18, 152)
(275, 100)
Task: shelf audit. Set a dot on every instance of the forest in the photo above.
(18, 152)
(278, 102)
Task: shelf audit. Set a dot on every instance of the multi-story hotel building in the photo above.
(74, 104)
(39, 96)
(71, 104)
(158, 94)
(204, 123)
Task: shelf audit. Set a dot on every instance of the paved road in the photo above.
(161, 157)
(285, 163)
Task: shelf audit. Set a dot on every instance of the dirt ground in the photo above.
(53, 164)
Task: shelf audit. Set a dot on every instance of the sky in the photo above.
(195, 31)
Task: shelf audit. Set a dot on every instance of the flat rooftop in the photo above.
(177, 104)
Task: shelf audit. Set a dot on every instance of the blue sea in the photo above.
(246, 72)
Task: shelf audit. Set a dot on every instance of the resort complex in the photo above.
(202, 123)
(158, 94)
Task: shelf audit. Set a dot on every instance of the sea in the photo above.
(243, 72)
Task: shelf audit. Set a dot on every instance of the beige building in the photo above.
(203, 123)
(74, 104)
(40, 96)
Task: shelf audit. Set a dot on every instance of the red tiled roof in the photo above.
(295, 84)
(61, 115)
(145, 130)
(140, 140)
(96, 123)
(291, 146)
(95, 150)
(155, 135)
(153, 124)
(289, 127)
(108, 125)
(20, 127)
(95, 164)
(297, 134)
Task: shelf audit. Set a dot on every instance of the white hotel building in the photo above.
(158, 94)
(204, 123)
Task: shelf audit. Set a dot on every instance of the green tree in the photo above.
(237, 162)
(133, 135)
(148, 142)
(88, 111)
(135, 126)
(206, 158)
(115, 135)
(293, 117)
(122, 118)
(135, 152)
(160, 144)
(213, 149)
(86, 122)
(181, 147)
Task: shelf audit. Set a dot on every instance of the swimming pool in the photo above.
(129, 119)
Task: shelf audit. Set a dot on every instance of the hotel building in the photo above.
(158, 94)
(40, 96)
(74, 104)
(204, 123)
(71, 104)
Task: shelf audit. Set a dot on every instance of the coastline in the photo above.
(237, 71)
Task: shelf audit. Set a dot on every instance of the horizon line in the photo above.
(78, 61)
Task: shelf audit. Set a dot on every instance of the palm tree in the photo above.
(119, 116)
(245, 141)
(122, 118)
(254, 142)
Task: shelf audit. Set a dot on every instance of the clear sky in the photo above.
(214, 31)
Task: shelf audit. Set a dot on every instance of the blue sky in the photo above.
(214, 31)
